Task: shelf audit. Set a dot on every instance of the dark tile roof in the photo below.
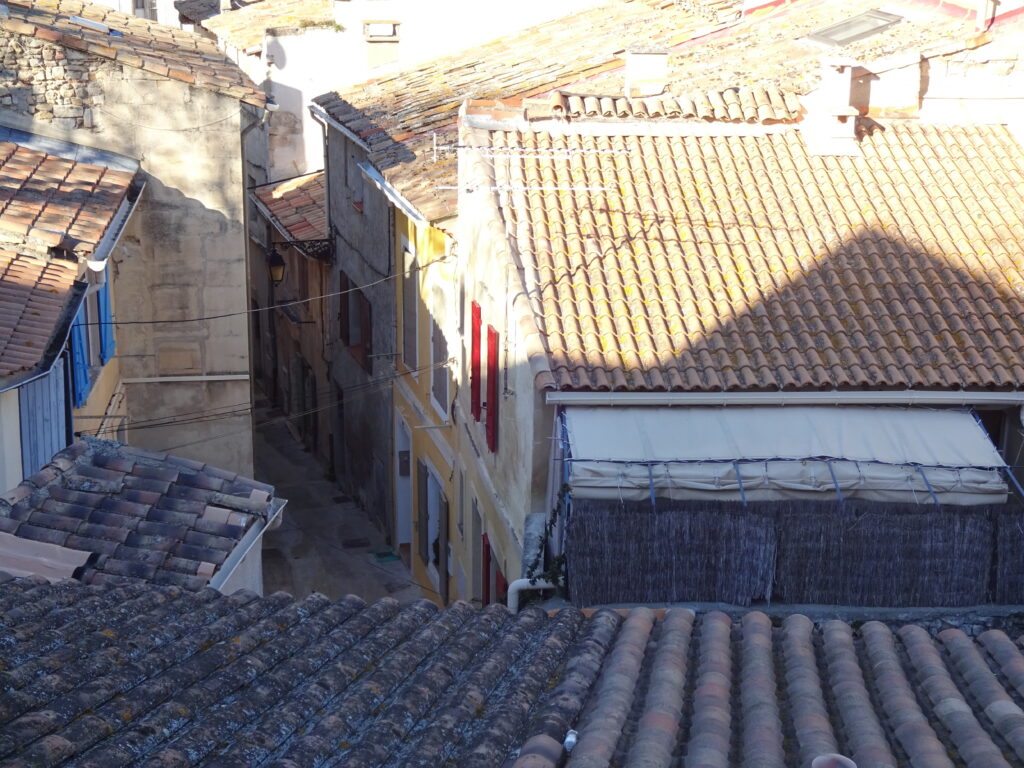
(145, 515)
(136, 42)
(146, 675)
(724, 263)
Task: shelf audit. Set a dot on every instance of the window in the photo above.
(355, 322)
(855, 28)
(492, 389)
(409, 299)
(354, 179)
(439, 367)
(432, 526)
(474, 361)
(92, 341)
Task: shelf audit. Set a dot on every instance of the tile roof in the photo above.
(768, 105)
(146, 515)
(57, 202)
(717, 263)
(297, 207)
(398, 115)
(244, 28)
(196, 11)
(138, 43)
(134, 673)
(36, 299)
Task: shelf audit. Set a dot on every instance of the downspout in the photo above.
(522, 585)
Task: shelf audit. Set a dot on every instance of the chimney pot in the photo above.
(646, 72)
(830, 125)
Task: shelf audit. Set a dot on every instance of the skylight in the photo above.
(856, 28)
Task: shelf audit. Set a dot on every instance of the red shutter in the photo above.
(492, 389)
(474, 361)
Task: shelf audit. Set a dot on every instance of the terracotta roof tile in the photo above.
(710, 263)
(34, 294)
(137, 43)
(55, 201)
(195, 11)
(245, 27)
(400, 115)
(84, 500)
(297, 207)
(106, 673)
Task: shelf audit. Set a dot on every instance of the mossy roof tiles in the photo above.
(726, 263)
(143, 514)
(143, 674)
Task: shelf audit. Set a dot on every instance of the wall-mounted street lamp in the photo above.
(276, 265)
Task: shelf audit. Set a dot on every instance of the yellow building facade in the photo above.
(446, 515)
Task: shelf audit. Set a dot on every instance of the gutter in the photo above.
(320, 114)
(178, 379)
(250, 540)
(835, 397)
(392, 194)
(97, 261)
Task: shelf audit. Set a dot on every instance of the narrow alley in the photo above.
(326, 543)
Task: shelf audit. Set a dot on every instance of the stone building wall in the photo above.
(50, 83)
(182, 254)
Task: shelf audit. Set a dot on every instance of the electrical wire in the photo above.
(163, 128)
(349, 393)
(245, 312)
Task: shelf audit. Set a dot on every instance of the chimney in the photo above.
(342, 13)
(830, 125)
(225, 5)
(646, 72)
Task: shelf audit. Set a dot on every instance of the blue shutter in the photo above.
(107, 344)
(80, 359)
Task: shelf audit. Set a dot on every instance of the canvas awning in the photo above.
(769, 453)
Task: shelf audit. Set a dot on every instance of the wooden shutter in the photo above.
(422, 516)
(80, 359)
(474, 361)
(410, 281)
(492, 389)
(343, 301)
(442, 566)
(485, 570)
(365, 329)
(107, 342)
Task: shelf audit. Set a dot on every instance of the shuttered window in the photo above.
(422, 513)
(80, 379)
(106, 317)
(492, 389)
(409, 301)
(474, 361)
(355, 322)
(439, 368)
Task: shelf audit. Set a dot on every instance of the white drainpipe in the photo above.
(522, 585)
